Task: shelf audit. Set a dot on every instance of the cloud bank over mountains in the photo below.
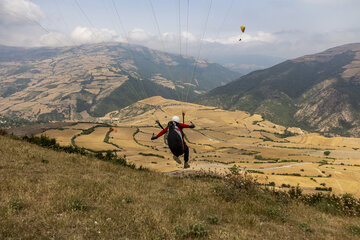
(25, 23)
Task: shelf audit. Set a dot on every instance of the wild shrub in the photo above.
(44, 160)
(271, 184)
(354, 229)
(51, 143)
(88, 131)
(197, 230)
(213, 220)
(327, 153)
(99, 155)
(295, 192)
(255, 171)
(259, 157)
(235, 185)
(290, 174)
(276, 213)
(110, 155)
(330, 203)
(323, 162)
(107, 135)
(2, 132)
(180, 232)
(305, 227)
(16, 204)
(141, 168)
(128, 200)
(151, 155)
(323, 189)
(76, 204)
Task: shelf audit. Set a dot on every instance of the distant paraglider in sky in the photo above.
(242, 30)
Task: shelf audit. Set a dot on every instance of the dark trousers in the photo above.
(186, 153)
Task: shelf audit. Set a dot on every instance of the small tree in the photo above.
(327, 153)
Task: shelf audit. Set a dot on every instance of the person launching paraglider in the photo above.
(175, 139)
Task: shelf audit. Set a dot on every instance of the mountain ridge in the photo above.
(68, 83)
(316, 92)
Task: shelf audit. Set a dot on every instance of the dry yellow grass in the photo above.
(53, 195)
(63, 137)
(95, 140)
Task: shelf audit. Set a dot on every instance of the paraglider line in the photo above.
(163, 46)
(200, 45)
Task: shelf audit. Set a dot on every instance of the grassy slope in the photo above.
(76, 197)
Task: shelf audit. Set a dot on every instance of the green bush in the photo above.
(197, 230)
(290, 174)
(271, 184)
(151, 155)
(44, 161)
(327, 153)
(295, 192)
(16, 204)
(213, 220)
(259, 157)
(276, 213)
(88, 131)
(305, 227)
(255, 171)
(354, 229)
(76, 204)
(323, 189)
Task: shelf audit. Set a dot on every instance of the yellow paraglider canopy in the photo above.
(242, 28)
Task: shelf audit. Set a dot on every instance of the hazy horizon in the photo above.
(275, 29)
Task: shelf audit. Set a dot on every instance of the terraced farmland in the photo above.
(224, 140)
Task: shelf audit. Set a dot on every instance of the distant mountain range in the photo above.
(247, 63)
(319, 92)
(86, 81)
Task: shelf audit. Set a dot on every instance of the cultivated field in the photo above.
(223, 140)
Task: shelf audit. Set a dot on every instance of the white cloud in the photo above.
(19, 12)
(53, 39)
(81, 35)
(139, 35)
(170, 37)
(260, 37)
(19, 22)
(189, 36)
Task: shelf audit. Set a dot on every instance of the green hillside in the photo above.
(47, 194)
(317, 92)
(133, 90)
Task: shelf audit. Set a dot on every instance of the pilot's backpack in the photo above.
(175, 139)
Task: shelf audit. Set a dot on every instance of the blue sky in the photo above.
(275, 29)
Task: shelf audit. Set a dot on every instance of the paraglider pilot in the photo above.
(175, 139)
